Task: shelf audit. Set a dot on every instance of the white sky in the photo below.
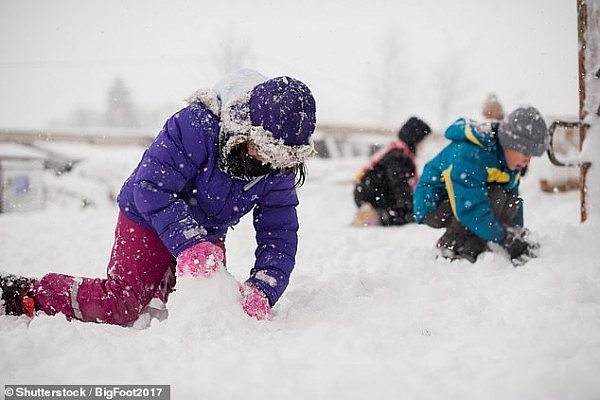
(58, 55)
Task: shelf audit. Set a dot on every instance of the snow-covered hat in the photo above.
(524, 131)
(285, 108)
(283, 118)
(276, 115)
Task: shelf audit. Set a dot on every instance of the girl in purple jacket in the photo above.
(237, 148)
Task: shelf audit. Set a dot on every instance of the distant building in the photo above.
(22, 185)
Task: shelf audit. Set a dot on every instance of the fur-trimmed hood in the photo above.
(282, 110)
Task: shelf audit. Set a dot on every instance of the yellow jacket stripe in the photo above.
(497, 175)
(469, 134)
(450, 189)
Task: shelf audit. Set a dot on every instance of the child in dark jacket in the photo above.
(384, 188)
(235, 149)
(471, 187)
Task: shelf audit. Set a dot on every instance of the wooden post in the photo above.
(581, 29)
(588, 34)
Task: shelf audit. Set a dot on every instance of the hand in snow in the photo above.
(519, 247)
(254, 302)
(200, 259)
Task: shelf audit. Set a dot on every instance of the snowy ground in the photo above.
(369, 313)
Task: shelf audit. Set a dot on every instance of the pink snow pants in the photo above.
(140, 268)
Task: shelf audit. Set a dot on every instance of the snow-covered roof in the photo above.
(19, 151)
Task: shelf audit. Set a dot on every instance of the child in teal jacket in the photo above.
(472, 186)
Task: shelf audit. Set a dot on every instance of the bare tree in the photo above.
(447, 86)
(450, 85)
(84, 116)
(233, 51)
(120, 109)
(391, 83)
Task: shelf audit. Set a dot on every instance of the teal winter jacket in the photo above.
(462, 172)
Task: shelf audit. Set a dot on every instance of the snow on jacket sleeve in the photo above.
(167, 165)
(466, 184)
(276, 225)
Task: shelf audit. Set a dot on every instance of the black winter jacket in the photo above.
(387, 188)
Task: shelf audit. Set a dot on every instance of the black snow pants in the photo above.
(458, 241)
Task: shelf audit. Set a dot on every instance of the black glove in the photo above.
(517, 245)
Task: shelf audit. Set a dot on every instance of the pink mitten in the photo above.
(254, 302)
(200, 259)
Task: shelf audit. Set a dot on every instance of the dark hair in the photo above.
(240, 164)
(300, 173)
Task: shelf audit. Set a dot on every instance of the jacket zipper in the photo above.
(253, 182)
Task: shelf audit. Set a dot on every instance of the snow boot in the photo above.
(16, 295)
(472, 247)
(458, 242)
(449, 243)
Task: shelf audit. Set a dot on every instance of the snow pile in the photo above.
(203, 307)
(369, 312)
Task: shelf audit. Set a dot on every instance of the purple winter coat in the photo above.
(179, 191)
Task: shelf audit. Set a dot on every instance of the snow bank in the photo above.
(369, 313)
